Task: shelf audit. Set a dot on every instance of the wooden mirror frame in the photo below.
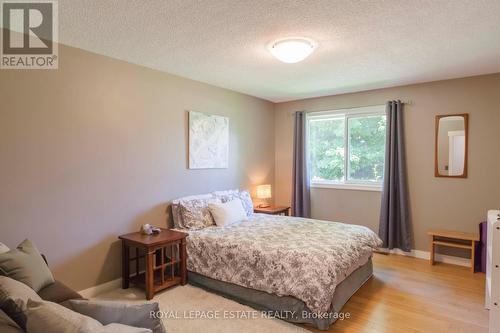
(466, 130)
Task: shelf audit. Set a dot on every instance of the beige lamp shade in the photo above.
(264, 191)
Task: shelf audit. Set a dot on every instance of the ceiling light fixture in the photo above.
(292, 50)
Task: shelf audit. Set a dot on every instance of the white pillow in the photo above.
(225, 192)
(244, 196)
(228, 212)
(246, 199)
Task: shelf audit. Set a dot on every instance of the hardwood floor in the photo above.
(409, 295)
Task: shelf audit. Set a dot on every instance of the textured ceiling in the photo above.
(362, 44)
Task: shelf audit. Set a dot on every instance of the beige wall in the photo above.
(457, 204)
(97, 148)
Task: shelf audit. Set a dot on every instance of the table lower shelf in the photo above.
(442, 239)
(453, 244)
(140, 281)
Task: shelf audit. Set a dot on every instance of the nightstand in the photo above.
(273, 210)
(163, 256)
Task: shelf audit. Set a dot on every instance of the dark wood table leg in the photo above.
(150, 257)
(125, 265)
(183, 258)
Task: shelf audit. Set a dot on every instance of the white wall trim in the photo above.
(348, 186)
(115, 284)
(101, 288)
(426, 255)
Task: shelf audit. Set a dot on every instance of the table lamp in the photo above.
(264, 192)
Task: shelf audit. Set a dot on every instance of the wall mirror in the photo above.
(451, 145)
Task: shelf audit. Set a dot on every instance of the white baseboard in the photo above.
(101, 288)
(114, 284)
(437, 257)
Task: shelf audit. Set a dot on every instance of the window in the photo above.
(346, 148)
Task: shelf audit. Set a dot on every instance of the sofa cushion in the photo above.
(4, 248)
(14, 297)
(25, 264)
(120, 328)
(10, 329)
(43, 317)
(7, 325)
(58, 292)
(107, 312)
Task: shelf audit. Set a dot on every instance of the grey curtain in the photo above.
(301, 202)
(395, 227)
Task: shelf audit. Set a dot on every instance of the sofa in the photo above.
(58, 308)
(56, 292)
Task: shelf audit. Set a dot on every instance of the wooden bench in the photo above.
(456, 239)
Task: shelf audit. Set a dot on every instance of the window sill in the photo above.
(356, 187)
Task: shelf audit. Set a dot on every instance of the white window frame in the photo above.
(346, 184)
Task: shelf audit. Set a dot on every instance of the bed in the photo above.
(296, 269)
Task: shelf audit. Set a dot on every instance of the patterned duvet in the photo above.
(285, 256)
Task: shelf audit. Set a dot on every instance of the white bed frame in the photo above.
(493, 270)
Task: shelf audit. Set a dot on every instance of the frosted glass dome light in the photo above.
(292, 50)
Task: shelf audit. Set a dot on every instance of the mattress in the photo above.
(284, 256)
(289, 308)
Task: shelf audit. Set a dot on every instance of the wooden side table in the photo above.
(164, 256)
(456, 239)
(273, 210)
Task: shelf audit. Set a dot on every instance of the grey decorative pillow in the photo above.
(14, 297)
(176, 207)
(25, 264)
(107, 312)
(195, 213)
(176, 215)
(51, 317)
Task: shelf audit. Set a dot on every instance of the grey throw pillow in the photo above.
(25, 264)
(7, 325)
(51, 317)
(14, 297)
(176, 207)
(195, 213)
(107, 312)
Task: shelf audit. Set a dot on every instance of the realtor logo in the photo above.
(29, 35)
